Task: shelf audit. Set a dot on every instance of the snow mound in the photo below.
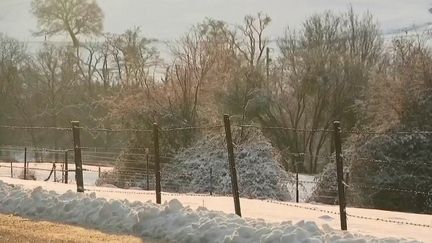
(170, 222)
(259, 172)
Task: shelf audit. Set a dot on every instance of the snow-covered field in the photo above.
(90, 175)
(196, 222)
(42, 171)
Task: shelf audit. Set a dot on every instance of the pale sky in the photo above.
(167, 19)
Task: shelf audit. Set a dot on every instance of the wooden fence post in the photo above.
(25, 163)
(157, 161)
(66, 169)
(78, 160)
(231, 160)
(11, 169)
(340, 174)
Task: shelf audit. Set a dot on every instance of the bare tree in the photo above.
(74, 17)
(249, 38)
(88, 63)
(134, 58)
(58, 75)
(324, 73)
(195, 56)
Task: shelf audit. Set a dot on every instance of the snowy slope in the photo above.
(166, 223)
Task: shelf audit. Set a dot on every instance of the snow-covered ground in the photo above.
(42, 171)
(263, 221)
(91, 174)
(306, 187)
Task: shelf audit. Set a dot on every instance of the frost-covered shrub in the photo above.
(395, 173)
(259, 172)
(389, 171)
(326, 190)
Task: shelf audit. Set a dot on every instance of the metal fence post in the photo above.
(55, 172)
(340, 174)
(211, 181)
(66, 169)
(25, 163)
(231, 160)
(156, 159)
(62, 172)
(78, 160)
(297, 183)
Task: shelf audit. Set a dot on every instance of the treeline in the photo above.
(336, 66)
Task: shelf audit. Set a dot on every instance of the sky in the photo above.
(168, 19)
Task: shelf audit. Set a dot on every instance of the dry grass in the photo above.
(17, 229)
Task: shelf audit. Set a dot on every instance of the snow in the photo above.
(306, 187)
(258, 169)
(200, 218)
(42, 171)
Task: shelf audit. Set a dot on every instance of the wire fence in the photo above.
(151, 165)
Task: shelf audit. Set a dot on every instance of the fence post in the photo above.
(25, 163)
(78, 160)
(156, 160)
(66, 169)
(55, 171)
(11, 169)
(211, 181)
(99, 171)
(231, 161)
(297, 182)
(62, 172)
(147, 170)
(339, 169)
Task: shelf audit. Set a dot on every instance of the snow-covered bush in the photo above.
(259, 172)
(394, 173)
(389, 171)
(326, 187)
(203, 168)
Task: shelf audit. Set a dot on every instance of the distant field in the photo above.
(17, 229)
(42, 171)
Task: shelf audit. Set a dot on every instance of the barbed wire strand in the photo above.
(35, 128)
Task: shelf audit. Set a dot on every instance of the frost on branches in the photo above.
(203, 168)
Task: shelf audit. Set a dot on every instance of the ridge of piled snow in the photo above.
(171, 221)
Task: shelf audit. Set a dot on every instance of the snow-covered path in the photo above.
(271, 212)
